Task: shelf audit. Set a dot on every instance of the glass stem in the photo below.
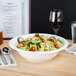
(55, 32)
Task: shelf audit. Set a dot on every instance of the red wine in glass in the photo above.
(56, 20)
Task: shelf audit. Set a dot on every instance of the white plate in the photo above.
(40, 55)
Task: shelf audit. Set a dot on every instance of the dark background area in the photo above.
(40, 10)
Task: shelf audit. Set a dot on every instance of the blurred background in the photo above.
(40, 10)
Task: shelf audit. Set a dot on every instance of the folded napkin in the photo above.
(71, 49)
(7, 60)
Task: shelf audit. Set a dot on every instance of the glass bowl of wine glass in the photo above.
(56, 20)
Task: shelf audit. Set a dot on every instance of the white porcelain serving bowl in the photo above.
(40, 55)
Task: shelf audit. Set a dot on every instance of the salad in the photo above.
(39, 43)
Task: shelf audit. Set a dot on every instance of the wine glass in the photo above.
(56, 20)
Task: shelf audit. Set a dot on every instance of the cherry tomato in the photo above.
(36, 36)
(24, 42)
(32, 49)
(52, 40)
(42, 40)
(56, 46)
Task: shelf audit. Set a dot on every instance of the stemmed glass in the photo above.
(56, 20)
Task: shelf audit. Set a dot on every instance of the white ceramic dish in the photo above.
(37, 56)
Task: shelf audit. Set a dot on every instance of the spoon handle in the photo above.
(11, 60)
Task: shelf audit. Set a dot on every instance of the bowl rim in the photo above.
(27, 35)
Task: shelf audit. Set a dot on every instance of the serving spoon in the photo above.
(6, 51)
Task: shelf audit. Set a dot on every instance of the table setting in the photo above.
(35, 53)
(62, 64)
